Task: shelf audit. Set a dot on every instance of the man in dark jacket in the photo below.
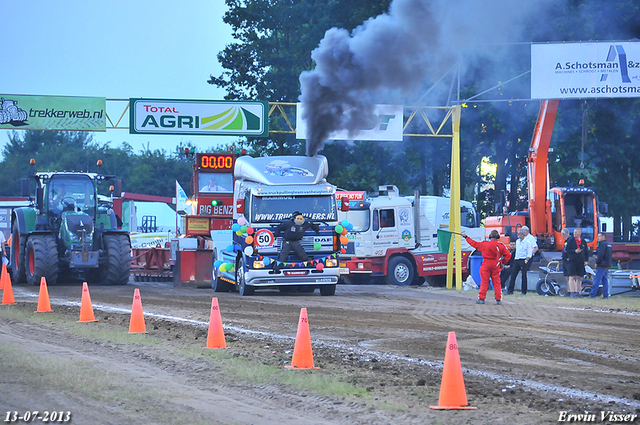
(603, 262)
(293, 231)
(507, 268)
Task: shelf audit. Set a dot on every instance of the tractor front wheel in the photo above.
(117, 269)
(41, 256)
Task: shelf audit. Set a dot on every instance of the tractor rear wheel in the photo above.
(41, 259)
(18, 246)
(117, 269)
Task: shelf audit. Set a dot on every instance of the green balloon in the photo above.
(317, 246)
(338, 229)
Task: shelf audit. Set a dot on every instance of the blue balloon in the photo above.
(230, 248)
(235, 227)
(266, 261)
(349, 227)
(217, 263)
(345, 223)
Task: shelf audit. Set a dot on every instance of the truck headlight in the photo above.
(258, 265)
(331, 262)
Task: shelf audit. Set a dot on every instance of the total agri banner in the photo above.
(199, 117)
(386, 125)
(27, 112)
(585, 70)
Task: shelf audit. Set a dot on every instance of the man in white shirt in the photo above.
(524, 252)
(532, 239)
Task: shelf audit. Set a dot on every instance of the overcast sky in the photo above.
(114, 49)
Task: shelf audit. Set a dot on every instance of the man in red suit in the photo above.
(494, 254)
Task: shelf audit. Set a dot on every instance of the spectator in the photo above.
(577, 256)
(524, 252)
(603, 263)
(507, 267)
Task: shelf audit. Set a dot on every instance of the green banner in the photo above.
(64, 113)
(199, 117)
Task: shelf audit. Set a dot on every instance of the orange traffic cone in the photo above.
(4, 276)
(302, 355)
(44, 306)
(452, 392)
(215, 337)
(136, 323)
(7, 293)
(86, 309)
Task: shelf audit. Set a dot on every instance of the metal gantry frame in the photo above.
(417, 116)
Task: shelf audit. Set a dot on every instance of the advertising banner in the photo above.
(65, 113)
(199, 117)
(585, 70)
(387, 125)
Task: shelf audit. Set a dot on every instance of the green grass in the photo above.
(234, 368)
(88, 380)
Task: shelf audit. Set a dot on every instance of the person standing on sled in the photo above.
(292, 231)
(494, 254)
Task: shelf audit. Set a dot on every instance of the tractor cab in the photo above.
(71, 207)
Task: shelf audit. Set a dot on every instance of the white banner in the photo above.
(388, 125)
(585, 70)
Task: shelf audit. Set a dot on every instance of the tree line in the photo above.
(274, 41)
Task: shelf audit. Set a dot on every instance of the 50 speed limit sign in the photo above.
(264, 238)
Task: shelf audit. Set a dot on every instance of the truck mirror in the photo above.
(40, 198)
(507, 230)
(26, 190)
(118, 188)
(344, 206)
(604, 227)
(240, 206)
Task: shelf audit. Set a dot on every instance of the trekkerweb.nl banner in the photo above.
(585, 70)
(24, 112)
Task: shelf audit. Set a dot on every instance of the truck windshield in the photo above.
(69, 192)
(468, 217)
(215, 182)
(359, 219)
(269, 209)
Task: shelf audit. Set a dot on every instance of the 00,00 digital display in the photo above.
(216, 162)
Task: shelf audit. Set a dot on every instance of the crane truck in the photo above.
(552, 209)
(396, 236)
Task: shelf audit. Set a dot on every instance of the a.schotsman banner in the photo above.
(66, 113)
(199, 117)
(585, 70)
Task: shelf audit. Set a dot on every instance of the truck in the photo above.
(65, 232)
(396, 236)
(210, 222)
(267, 191)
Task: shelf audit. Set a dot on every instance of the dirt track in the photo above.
(524, 362)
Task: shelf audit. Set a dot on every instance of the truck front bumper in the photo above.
(328, 276)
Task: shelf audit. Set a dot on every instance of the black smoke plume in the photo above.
(398, 52)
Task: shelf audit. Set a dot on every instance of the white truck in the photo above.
(395, 237)
(267, 191)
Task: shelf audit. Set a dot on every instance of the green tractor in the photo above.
(67, 233)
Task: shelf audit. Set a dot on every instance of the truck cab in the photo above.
(266, 193)
(392, 231)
